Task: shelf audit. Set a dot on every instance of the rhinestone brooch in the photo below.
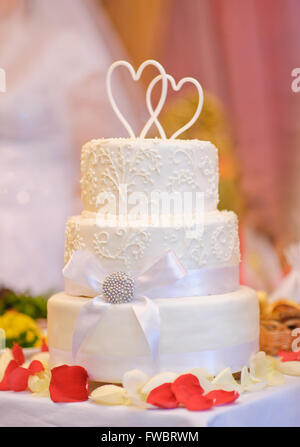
(118, 288)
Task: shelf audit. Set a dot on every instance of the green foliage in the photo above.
(33, 306)
(22, 341)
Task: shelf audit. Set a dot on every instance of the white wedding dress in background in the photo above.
(55, 61)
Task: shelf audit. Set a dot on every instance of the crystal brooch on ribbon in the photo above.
(118, 288)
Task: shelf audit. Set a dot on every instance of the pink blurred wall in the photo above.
(244, 51)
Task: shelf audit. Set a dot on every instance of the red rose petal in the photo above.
(44, 347)
(10, 367)
(16, 377)
(221, 397)
(18, 354)
(198, 402)
(69, 384)
(186, 386)
(289, 356)
(35, 367)
(17, 380)
(163, 396)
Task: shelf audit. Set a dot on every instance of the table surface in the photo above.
(274, 406)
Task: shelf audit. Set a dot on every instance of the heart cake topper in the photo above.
(154, 113)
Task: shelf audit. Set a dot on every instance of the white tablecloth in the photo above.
(278, 406)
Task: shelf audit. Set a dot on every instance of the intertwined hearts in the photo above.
(164, 78)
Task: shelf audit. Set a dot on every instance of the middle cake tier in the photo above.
(211, 257)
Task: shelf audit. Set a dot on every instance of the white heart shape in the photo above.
(176, 88)
(136, 76)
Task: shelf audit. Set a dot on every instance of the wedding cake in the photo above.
(143, 291)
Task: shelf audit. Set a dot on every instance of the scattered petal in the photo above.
(205, 384)
(198, 402)
(249, 382)
(289, 368)
(163, 397)
(204, 377)
(186, 386)
(69, 384)
(18, 354)
(44, 346)
(289, 356)
(225, 381)
(276, 378)
(17, 380)
(157, 380)
(9, 369)
(259, 366)
(109, 395)
(39, 383)
(35, 367)
(264, 367)
(221, 397)
(133, 381)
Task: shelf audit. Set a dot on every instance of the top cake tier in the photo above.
(148, 165)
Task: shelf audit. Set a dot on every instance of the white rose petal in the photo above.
(110, 395)
(249, 382)
(275, 378)
(206, 384)
(225, 381)
(265, 368)
(158, 380)
(39, 382)
(200, 372)
(289, 368)
(261, 364)
(134, 380)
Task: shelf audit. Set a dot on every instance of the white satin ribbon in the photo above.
(197, 282)
(85, 270)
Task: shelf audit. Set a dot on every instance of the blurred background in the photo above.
(56, 55)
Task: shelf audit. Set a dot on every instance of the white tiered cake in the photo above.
(206, 318)
(195, 329)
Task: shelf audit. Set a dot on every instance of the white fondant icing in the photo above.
(149, 165)
(133, 249)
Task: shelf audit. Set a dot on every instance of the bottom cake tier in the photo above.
(213, 332)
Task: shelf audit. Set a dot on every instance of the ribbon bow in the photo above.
(84, 270)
